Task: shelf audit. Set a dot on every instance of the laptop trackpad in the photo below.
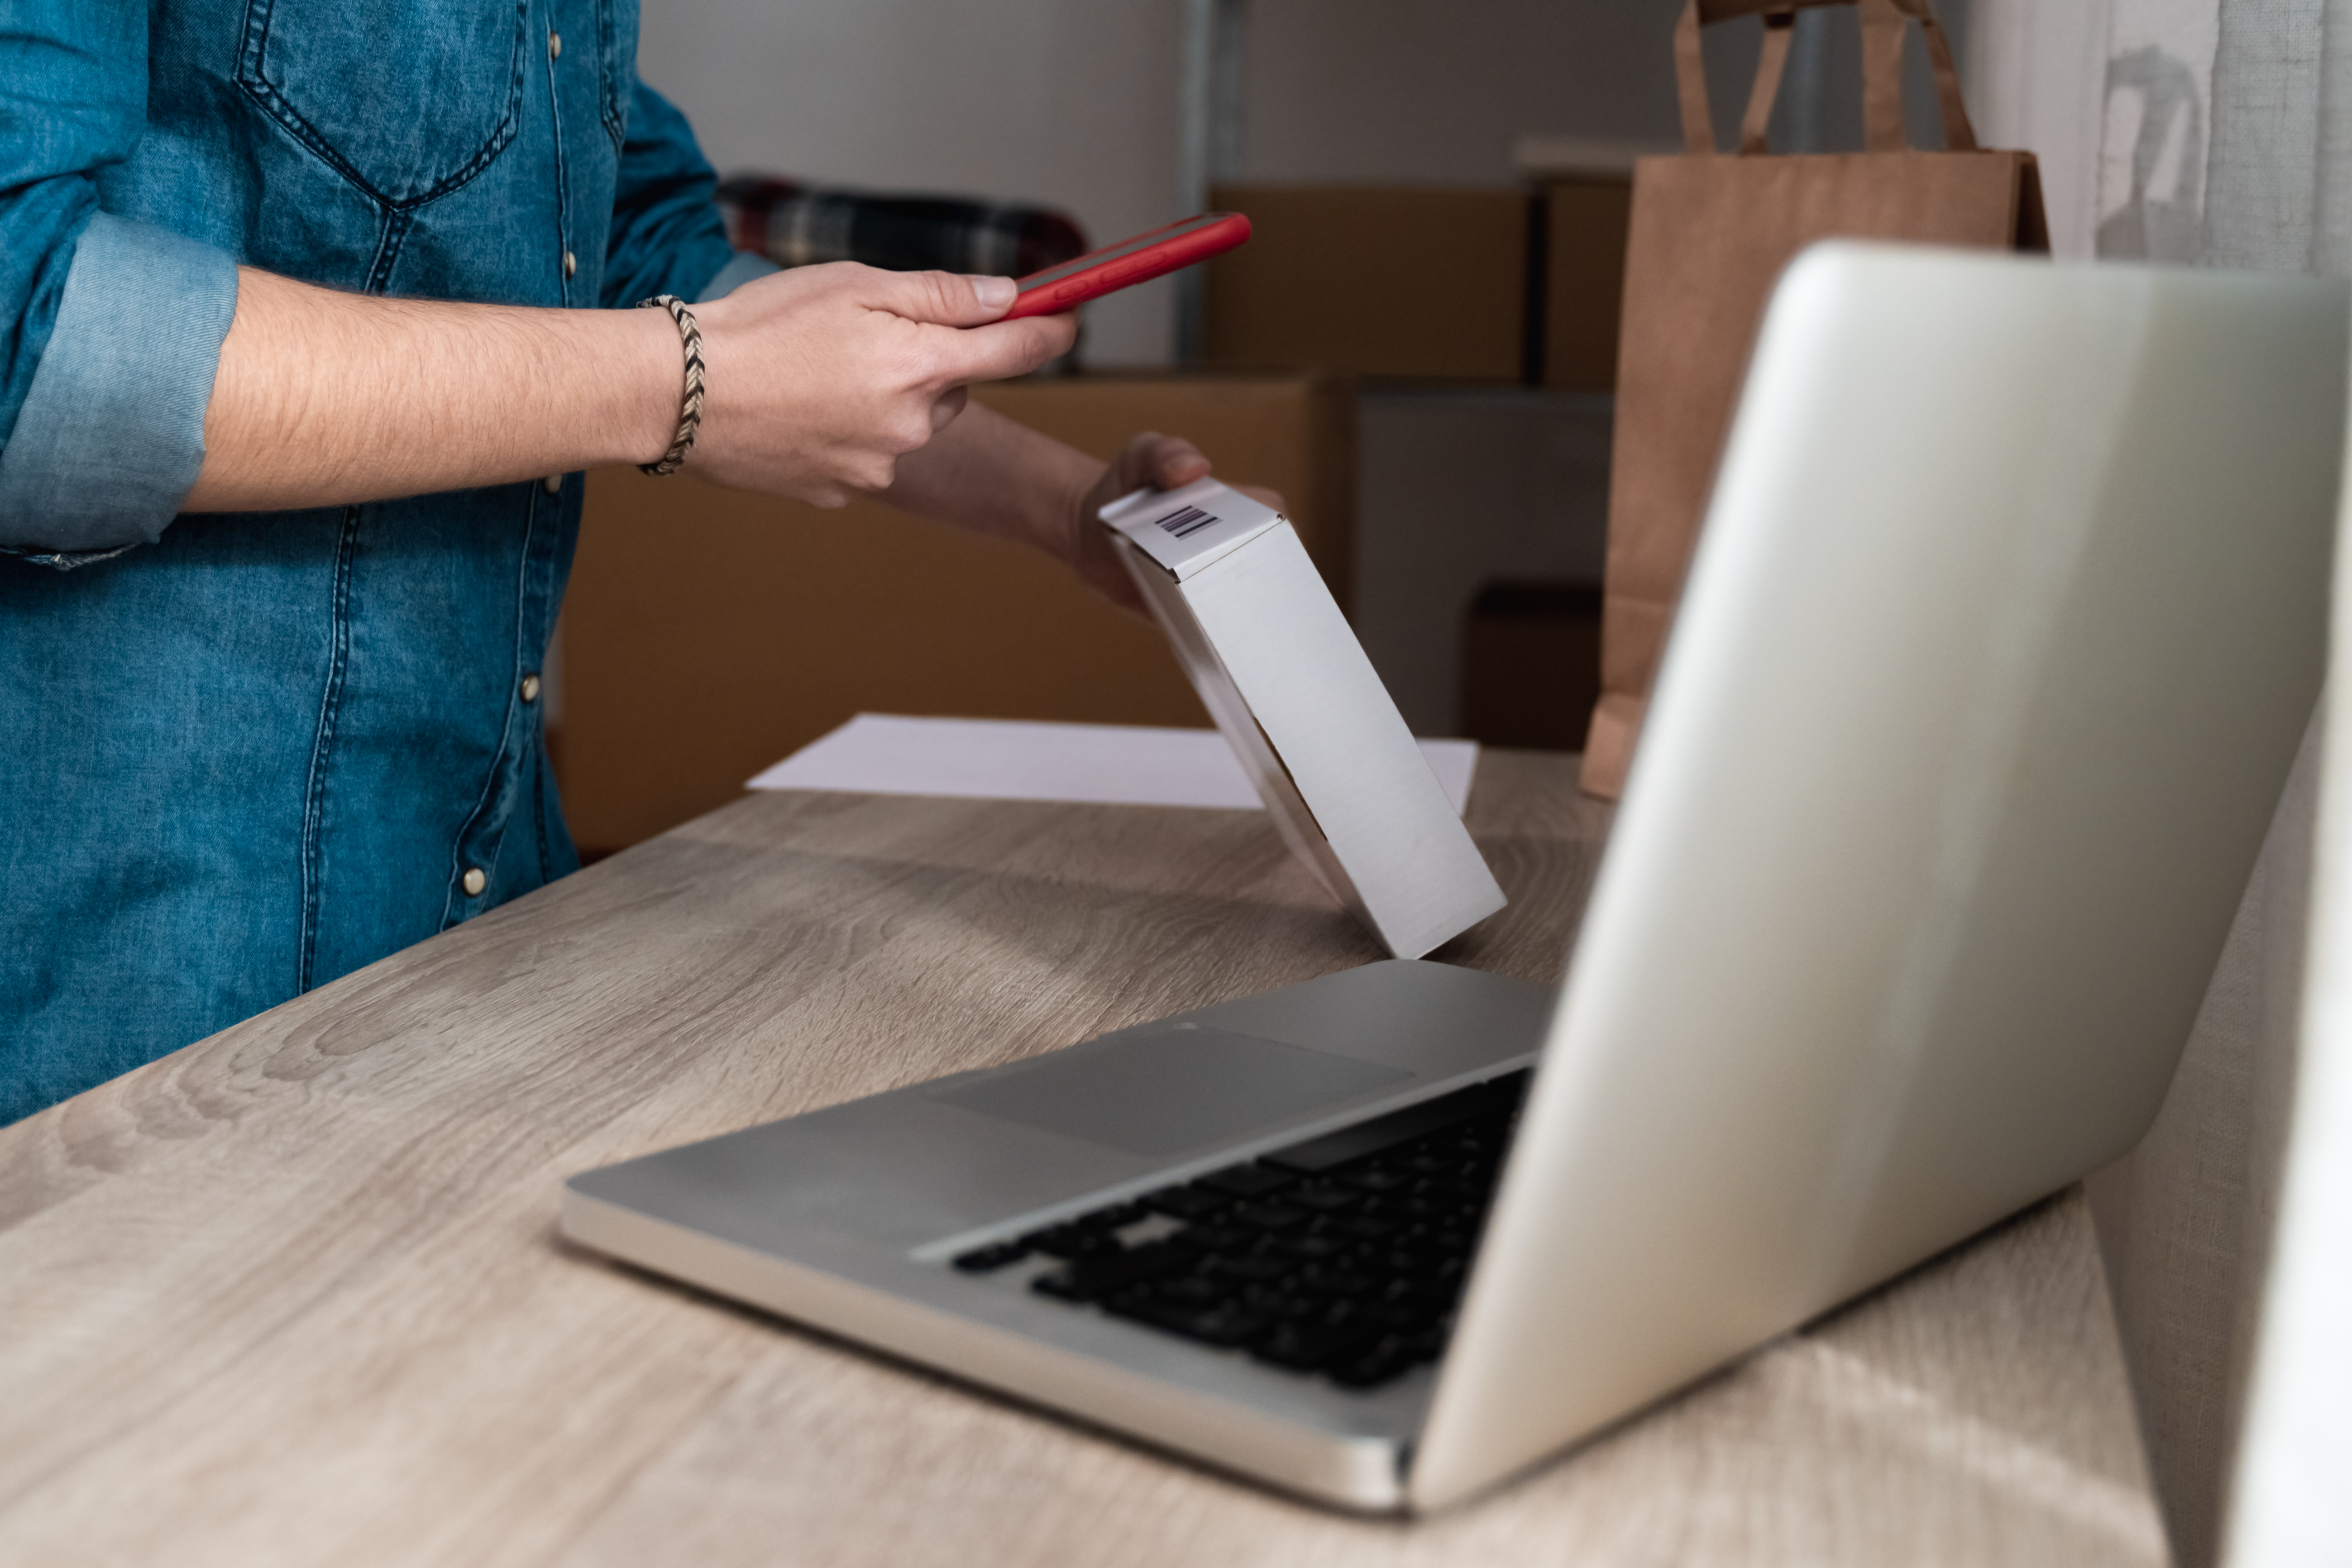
(1162, 1094)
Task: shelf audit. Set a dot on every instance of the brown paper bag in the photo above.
(1711, 233)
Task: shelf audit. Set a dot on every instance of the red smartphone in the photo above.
(1114, 266)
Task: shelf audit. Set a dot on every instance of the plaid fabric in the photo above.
(795, 225)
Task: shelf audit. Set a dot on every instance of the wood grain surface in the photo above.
(293, 1295)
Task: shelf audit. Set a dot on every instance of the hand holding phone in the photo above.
(1130, 261)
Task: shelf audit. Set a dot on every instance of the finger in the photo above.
(1132, 466)
(945, 408)
(939, 298)
(1002, 350)
(1170, 462)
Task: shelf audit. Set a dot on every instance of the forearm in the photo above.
(993, 476)
(988, 474)
(818, 380)
(325, 397)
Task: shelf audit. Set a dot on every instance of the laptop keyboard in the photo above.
(1343, 1256)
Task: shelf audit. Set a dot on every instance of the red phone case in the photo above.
(1114, 266)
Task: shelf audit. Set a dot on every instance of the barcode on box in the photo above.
(1187, 520)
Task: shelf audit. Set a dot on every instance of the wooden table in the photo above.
(293, 1295)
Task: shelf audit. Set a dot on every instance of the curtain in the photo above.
(2213, 133)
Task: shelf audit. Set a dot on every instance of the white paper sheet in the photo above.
(1104, 765)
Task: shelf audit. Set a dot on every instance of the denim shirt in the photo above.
(241, 754)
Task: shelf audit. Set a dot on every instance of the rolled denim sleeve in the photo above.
(110, 329)
(746, 265)
(667, 237)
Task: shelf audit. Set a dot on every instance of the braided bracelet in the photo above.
(689, 411)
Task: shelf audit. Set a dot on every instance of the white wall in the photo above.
(1074, 103)
(1423, 90)
(1070, 102)
(2043, 72)
(1420, 91)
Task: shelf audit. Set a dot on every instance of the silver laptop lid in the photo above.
(2008, 620)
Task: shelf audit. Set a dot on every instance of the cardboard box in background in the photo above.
(708, 633)
(1513, 285)
(1419, 284)
(1582, 281)
(1531, 664)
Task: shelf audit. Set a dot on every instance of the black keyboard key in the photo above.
(1384, 1132)
(1397, 1264)
(1402, 1318)
(1335, 1281)
(1063, 1283)
(1384, 1364)
(1278, 1304)
(1309, 1347)
(1194, 1202)
(1353, 1272)
(1252, 1268)
(1069, 1241)
(1191, 1290)
(1220, 1325)
(1421, 1262)
(1246, 1181)
(1425, 1299)
(1216, 1236)
(1391, 1358)
(1092, 1278)
(986, 1260)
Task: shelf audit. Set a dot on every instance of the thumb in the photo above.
(1163, 462)
(944, 298)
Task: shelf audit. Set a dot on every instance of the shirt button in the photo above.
(554, 46)
(552, 484)
(473, 881)
(570, 264)
(530, 688)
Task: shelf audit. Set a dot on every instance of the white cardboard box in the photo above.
(1283, 675)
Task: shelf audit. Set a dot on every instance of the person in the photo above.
(311, 312)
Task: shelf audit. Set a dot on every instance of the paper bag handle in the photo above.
(1881, 71)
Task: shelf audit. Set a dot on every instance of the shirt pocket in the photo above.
(406, 101)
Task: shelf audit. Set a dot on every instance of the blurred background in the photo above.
(1417, 347)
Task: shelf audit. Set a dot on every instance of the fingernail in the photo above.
(994, 293)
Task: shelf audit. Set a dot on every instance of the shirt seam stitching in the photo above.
(497, 784)
(314, 791)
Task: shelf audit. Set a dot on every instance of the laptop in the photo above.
(2008, 617)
